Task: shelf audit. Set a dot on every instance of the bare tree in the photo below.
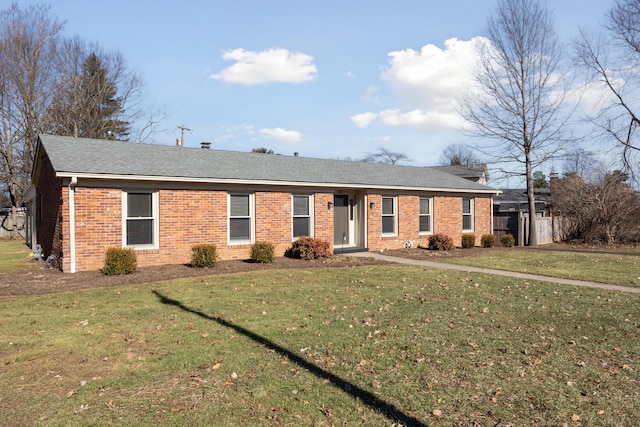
(385, 156)
(459, 155)
(603, 210)
(28, 47)
(520, 92)
(612, 59)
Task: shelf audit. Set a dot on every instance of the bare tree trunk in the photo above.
(531, 197)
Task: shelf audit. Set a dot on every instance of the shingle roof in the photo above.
(80, 156)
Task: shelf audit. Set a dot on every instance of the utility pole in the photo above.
(183, 128)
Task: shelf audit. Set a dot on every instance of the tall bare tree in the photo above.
(520, 92)
(612, 59)
(28, 48)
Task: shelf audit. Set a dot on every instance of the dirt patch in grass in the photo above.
(34, 279)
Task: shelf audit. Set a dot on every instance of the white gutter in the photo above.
(72, 225)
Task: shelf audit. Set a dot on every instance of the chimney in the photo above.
(295, 153)
(206, 145)
(178, 142)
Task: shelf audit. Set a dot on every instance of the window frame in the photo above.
(251, 217)
(155, 218)
(421, 214)
(309, 215)
(393, 215)
(470, 214)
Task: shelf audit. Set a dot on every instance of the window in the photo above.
(467, 214)
(140, 218)
(302, 224)
(426, 223)
(240, 218)
(389, 215)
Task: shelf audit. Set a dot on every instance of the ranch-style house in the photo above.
(88, 195)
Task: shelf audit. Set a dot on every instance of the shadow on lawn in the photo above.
(369, 399)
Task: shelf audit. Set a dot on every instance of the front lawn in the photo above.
(382, 345)
(617, 269)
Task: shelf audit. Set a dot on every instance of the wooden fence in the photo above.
(548, 229)
(13, 227)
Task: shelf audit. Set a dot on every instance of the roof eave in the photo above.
(202, 180)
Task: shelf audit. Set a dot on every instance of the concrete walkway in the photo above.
(513, 274)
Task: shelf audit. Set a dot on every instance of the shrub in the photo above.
(488, 240)
(308, 248)
(204, 255)
(440, 242)
(119, 261)
(262, 252)
(468, 240)
(507, 240)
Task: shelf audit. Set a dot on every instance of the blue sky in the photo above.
(332, 79)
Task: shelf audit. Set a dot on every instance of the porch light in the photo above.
(329, 205)
(372, 205)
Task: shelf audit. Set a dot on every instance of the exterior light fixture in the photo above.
(329, 205)
(372, 205)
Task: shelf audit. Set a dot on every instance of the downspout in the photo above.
(72, 224)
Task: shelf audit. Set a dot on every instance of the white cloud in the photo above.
(433, 120)
(281, 134)
(428, 83)
(267, 66)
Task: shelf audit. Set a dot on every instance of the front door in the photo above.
(341, 216)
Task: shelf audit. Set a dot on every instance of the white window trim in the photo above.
(311, 215)
(395, 215)
(430, 199)
(155, 211)
(470, 214)
(252, 220)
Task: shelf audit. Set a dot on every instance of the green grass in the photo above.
(382, 345)
(621, 270)
(13, 255)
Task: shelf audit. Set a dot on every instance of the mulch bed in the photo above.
(34, 280)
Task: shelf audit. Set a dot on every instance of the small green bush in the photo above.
(262, 252)
(468, 240)
(488, 240)
(507, 240)
(308, 248)
(440, 242)
(119, 261)
(204, 255)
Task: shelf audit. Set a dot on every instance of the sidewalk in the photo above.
(513, 274)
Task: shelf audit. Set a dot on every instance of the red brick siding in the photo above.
(483, 207)
(49, 211)
(274, 220)
(323, 217)
(447, 219)
(98, 213)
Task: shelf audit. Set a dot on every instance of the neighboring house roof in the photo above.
(126, 160)
(477, 173)
(516, 199)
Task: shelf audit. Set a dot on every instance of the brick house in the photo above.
(88, 195)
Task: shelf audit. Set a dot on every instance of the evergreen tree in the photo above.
(89, 106)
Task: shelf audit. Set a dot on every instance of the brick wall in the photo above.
(49, 214)
(447, 219)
